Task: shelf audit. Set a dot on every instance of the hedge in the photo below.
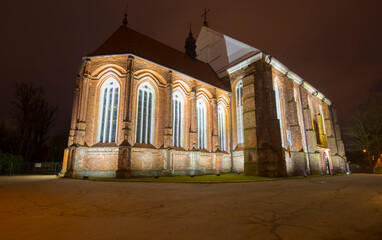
(5, 162)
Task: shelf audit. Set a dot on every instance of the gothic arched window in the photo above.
(145, 114)
(278, 111)
(323, 118)
(239, 112)
(177, 119)
(201, 122)
(221, 124)
(108, 111)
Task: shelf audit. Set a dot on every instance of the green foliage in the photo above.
(6, 160)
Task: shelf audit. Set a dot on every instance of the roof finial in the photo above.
(205, 16)
(125, 18)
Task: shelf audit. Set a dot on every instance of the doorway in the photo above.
(327, 165)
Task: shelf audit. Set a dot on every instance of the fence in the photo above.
(361, 168)
(44, 168)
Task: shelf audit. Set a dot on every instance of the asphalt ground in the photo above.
(47, 207)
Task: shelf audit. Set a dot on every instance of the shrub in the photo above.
(5, 162)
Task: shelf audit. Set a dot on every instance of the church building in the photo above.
(142, 108)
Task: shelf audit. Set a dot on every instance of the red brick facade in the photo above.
(306, 141)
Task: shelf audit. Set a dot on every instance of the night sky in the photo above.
(334, 45)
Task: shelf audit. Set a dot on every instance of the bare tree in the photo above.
(363, 129)
(33, 117)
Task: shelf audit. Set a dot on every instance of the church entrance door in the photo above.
(327, 164)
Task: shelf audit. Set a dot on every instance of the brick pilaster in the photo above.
(169, 111)
(127, 99)
(263, 154)
(193, 127)
(215, 123)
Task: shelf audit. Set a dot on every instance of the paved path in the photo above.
(46, 207)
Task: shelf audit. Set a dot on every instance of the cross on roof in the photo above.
(205, 16)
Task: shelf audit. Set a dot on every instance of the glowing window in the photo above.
(239, 112)
(221, 124)
(278, 110)
(108, 111)
(145, 114)
(201, 124)
(323, 119)
(177, 120)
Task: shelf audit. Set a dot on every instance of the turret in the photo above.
(190, 46)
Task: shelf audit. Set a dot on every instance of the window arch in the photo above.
(201, 124)
(108, 111)
(222, 130)
(177, 119)
(145, 114)
(239, 112)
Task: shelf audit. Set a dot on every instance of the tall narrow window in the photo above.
(278, 111)
(239, 112)
(108, 111)
(145, 114)
(201, 121)
(323, 118)
(177, 120)
(221, 123)
(321, 131)
(297, 99)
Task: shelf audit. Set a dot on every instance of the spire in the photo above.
(205, 17)
(190, 46)
(124, 22)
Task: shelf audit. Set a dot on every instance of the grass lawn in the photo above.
(223, 178)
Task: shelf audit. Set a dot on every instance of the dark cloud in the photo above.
(377, 86)
(334, 45)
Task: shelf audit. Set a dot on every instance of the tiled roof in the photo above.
(127, 41)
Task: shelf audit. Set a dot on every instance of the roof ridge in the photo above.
(128, 41)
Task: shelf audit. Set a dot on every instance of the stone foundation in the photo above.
(106, 162)
(296, 164)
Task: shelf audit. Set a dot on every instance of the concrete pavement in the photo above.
(46, 207)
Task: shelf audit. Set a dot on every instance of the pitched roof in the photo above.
(127, 41)
(220, 51)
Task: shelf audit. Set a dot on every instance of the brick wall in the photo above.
(273, 147)
(91, 156)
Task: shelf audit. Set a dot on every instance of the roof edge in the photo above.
(130, 54)
(284, 70)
